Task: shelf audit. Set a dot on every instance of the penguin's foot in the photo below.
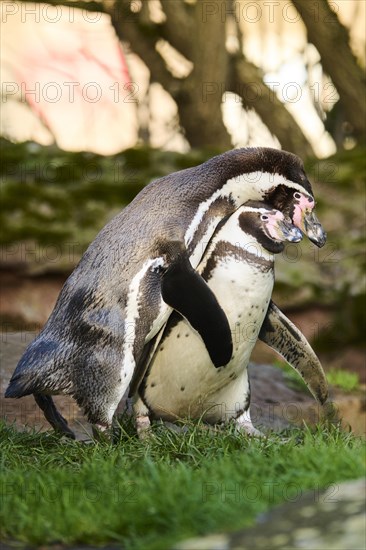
(142, 418)
(245, 425)
(143, 426)
(101, 433)
(250, 430)
(175, 427)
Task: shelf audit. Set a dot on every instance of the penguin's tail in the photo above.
(21, 383)
(35, 372)
(16, 388)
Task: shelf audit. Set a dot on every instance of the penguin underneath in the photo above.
(238, 266)
(140, 268)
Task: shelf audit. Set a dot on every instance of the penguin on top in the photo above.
(141, 267)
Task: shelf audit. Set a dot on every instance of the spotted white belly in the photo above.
(182, 381)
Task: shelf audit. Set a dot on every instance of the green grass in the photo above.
(346, 380)
(343, 379)
(150, 494)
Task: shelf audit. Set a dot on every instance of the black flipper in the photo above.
(57, 421)
(280, 334)
(186, 291)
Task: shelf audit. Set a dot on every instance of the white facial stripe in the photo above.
(257, 184)
(232, 233)
(251, 186)
(244, 209)
(132, 314)
(270, 213)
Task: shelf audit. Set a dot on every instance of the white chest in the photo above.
(244, 292)
(182, 379)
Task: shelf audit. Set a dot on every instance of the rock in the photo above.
(333, 519)
(27, 302)
(276, 406)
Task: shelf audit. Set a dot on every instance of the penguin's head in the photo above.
(301, 211)
(270, 227)
(298, 206)
(293, 195)
(275, 225)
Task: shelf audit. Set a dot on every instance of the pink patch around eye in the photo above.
(303, 205)
(272, 225)
(278, 216)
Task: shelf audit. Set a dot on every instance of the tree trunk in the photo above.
(199, 108)
(200, 97)
(197, 31)
(331, 39)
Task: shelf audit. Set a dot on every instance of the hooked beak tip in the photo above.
(319, 239)
(314, 230)
(294, 238)
(291, 233)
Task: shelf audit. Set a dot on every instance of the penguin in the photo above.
(238, 265)
(141, 267)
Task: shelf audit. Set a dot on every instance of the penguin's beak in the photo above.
(304, 217)
(313, 228)
(290, 232)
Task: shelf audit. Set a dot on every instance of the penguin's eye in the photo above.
(264, 217)
(297, 195)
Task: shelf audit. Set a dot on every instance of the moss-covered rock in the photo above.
(54, 196)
